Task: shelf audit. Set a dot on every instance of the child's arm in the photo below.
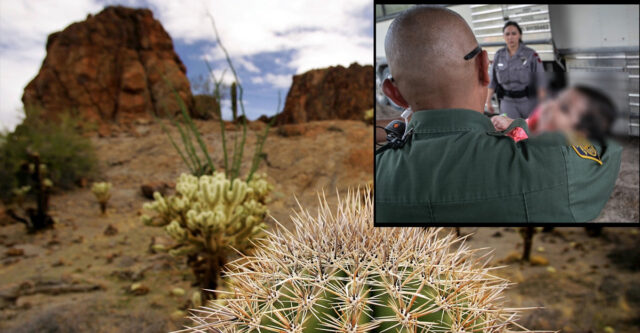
(501, 122)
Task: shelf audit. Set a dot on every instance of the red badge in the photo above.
(535, 54)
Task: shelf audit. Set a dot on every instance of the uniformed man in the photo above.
(456, 167)
(517, 75)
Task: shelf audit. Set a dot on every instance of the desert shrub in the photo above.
(207, 107)
(67, 154)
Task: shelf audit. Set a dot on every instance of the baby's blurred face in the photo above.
(562, 113)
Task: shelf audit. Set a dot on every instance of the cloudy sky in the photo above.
(269, 41)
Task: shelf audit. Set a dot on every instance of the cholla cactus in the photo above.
(368, 116)
(337, 273)
(102, 192)
(208, 217)
(34, 173)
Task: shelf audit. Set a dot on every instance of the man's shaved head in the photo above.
(425, 48)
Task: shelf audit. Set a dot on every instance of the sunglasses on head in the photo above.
(473, 53)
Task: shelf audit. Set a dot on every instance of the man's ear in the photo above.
(482, 62)
(389, 88)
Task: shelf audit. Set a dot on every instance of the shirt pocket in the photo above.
(502, 74)
(522, 75)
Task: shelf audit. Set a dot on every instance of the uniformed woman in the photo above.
(517, 76)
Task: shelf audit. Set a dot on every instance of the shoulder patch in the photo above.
(536, 56)
(587, 151)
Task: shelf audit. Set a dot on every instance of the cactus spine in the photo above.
(336, 273)
(208, 217)
(102, 192)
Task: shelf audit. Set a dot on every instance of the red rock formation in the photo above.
(330, 93)
(111, 69)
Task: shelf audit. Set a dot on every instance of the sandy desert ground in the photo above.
(77, 277)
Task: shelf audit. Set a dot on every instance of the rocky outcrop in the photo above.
(330, 93)
(112, 69)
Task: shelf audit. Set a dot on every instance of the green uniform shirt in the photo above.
(457, 168)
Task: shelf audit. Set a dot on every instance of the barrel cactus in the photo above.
(209, 218)
(335, 272)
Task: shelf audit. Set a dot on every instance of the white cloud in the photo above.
(248, 65)
(317, 33)
(24, 27)
(277, 81)
(335, 28)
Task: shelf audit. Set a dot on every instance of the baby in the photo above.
(577, 109)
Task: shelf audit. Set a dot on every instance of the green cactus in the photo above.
(102, 192)
(35, 174)
(337, 273)
(234, 101)
(368, 116)
(209, 217)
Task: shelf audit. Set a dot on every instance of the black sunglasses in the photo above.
(473, 53)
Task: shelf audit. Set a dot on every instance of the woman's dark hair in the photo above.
(508, 23)
(600, 113)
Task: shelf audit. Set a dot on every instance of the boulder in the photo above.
(330, 93)
(112, 69)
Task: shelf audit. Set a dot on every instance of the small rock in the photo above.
(177, 292)
(141, 130)
(157, 305)
(497, 234)
(126, 261)
(513, 256)
(291, 130)
(143, 121)
(550, 269)
(128, 275)
(58, 263)
(178, 315)
(14, 252)
(540, 249)
(149, 188)
(138, 289)
(111, 256)
(538, 261)
(22, 303)
(110, 231)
